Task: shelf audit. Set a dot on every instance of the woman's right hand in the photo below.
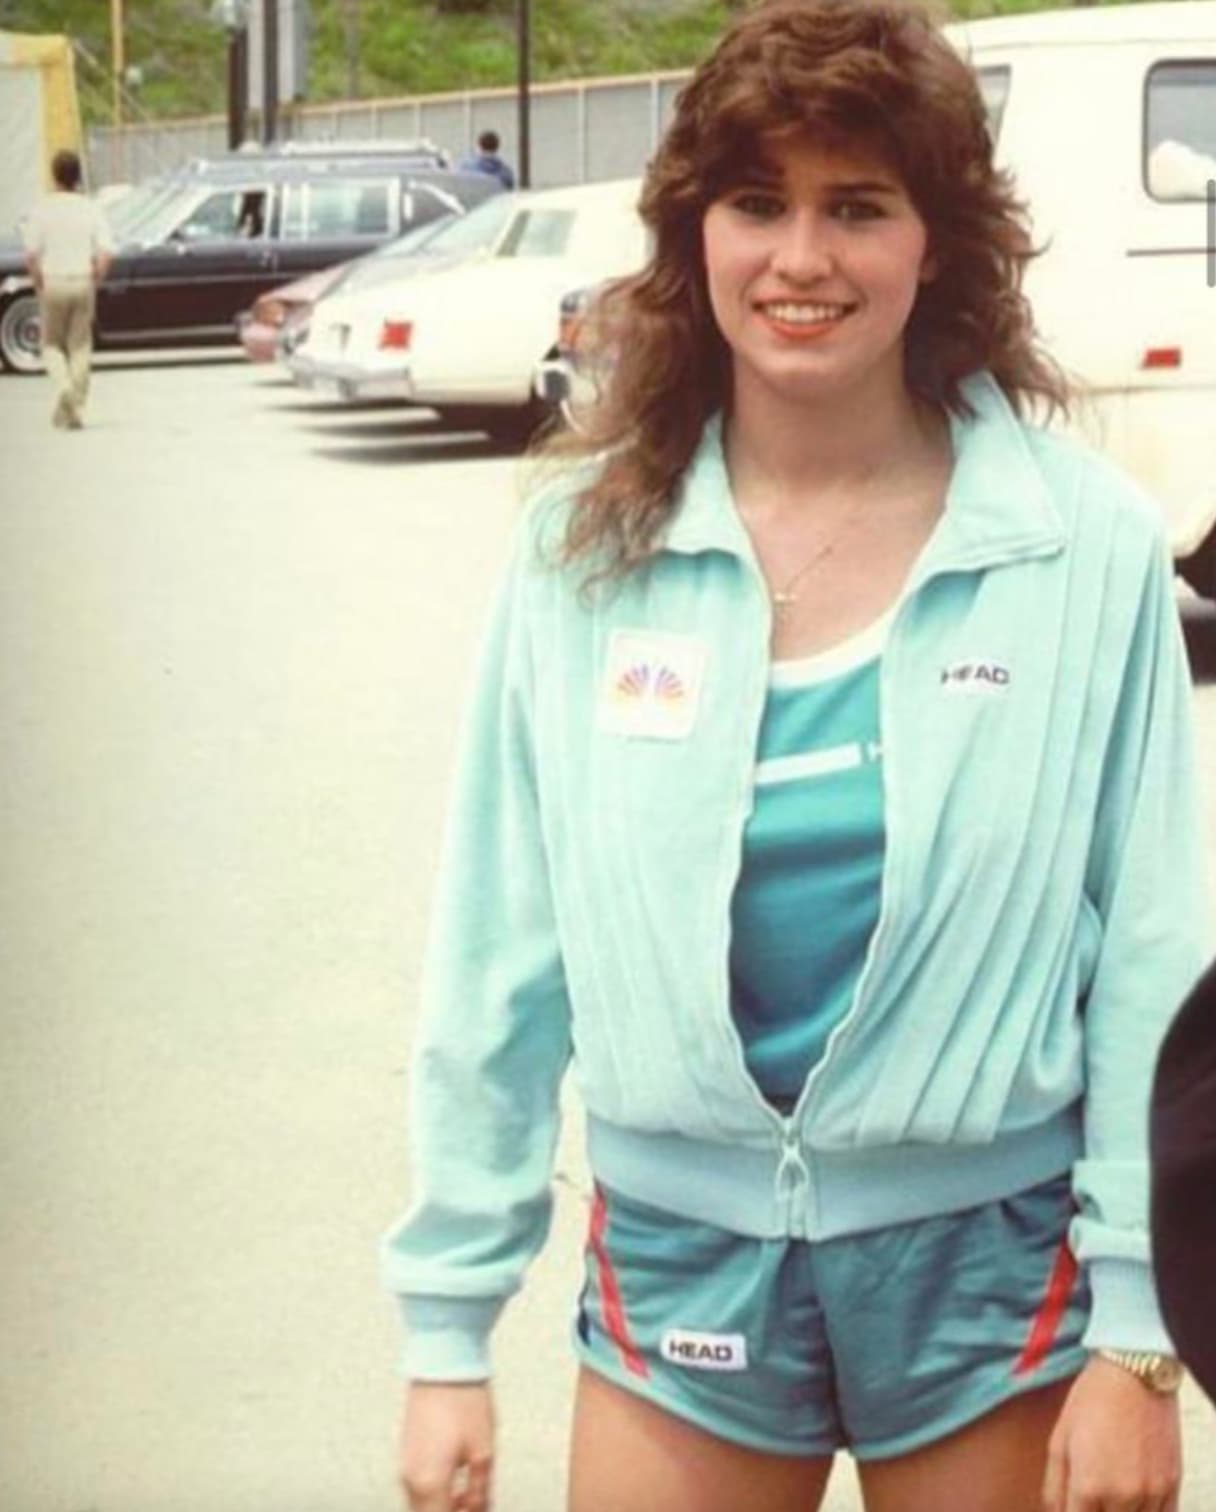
(447, 1446)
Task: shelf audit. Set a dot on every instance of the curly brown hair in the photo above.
(877, 73)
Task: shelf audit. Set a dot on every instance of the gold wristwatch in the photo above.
(1159, 1372)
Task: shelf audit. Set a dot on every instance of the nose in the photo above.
(803, 253)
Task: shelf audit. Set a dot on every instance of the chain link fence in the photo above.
(582, 132)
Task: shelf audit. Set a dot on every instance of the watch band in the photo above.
(1159, 1372)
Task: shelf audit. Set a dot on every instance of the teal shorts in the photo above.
(878, 1342)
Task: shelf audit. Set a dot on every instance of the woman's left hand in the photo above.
(1117, 1446)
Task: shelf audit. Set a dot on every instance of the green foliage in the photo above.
(403, 46)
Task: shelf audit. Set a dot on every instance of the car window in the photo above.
(994, 87)
(1180, 130)
(538, 233)
(226, 213)
(338, 210)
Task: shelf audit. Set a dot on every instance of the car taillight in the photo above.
(395, 335)
(1162, 357)
(271, 312)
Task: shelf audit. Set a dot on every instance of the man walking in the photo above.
(68, 250)
(488, 161)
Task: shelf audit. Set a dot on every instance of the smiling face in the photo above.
(813, 264)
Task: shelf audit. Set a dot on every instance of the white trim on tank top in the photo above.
(847, 656)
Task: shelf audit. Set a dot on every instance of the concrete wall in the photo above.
(581, 132)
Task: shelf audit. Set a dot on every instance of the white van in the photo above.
(1107, 117)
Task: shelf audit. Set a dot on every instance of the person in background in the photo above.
(487, 160)
(1183, 1142)
(829, 801)
(68, 252)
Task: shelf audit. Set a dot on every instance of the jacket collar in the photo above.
(998, 506)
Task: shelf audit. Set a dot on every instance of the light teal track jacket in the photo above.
(1043, 898)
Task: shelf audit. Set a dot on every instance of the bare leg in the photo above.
(629, 1456)
(995, 1464)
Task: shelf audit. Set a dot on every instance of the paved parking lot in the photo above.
(237, 624)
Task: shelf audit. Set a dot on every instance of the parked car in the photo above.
(465, 339)
(1118, 194)
(199, 245)
(279, 319)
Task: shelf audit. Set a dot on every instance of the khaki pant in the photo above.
(67, 345)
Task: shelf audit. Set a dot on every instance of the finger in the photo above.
(1055, 1482)
(473, 1493)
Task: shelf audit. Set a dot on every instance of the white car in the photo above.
(465, 339)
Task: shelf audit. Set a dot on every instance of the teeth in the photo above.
(806, 314)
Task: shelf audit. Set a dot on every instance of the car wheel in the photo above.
(21, 335)
(1199, 569)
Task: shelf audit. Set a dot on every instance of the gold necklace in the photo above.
(784, 599)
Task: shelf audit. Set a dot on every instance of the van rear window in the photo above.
(994, 86)
(1180, 130)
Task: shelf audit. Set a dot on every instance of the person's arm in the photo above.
(1117, 1443)
(491, 1050)
(31, 235)
(103, 247)
(1147, 878)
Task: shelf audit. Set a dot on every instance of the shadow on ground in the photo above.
(448, 447)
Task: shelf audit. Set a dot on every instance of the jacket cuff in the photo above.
(1125, 1312)
(448, 1338)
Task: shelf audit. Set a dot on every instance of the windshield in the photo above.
(475, 232)
(165, 213)
(452, 238)
(127, 215)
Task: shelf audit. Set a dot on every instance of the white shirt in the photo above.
(66, 230)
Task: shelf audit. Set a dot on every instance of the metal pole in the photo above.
(238, 84)
(270, 71)
(523, 18)
(118, 57)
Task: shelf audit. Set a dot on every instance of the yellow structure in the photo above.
(39, 115)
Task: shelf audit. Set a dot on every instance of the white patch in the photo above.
(982, 678)
(651, 685)
(704, 1351)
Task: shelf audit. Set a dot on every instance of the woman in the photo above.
(828, 799)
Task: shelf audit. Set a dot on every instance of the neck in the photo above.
(780, 454)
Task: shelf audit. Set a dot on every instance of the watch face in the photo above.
(1165, 1374)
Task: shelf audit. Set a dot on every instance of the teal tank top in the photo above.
(807, 898)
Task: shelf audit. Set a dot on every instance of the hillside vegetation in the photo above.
(362, 48)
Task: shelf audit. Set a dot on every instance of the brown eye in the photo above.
(756, 204)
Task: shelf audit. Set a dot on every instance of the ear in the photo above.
(929, 267)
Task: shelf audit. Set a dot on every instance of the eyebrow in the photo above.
(768, 176)
(864, 186)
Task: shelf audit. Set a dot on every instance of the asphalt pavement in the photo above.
(237, 623)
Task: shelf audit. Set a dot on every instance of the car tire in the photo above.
(21, 334)
(1199, 569)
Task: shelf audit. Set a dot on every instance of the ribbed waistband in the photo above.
(822, 1194)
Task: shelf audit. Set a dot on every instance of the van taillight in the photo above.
(395, 335)
(1162, 357)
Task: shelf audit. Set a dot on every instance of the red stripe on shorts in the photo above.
(1049, 1316)
(611, 1305)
